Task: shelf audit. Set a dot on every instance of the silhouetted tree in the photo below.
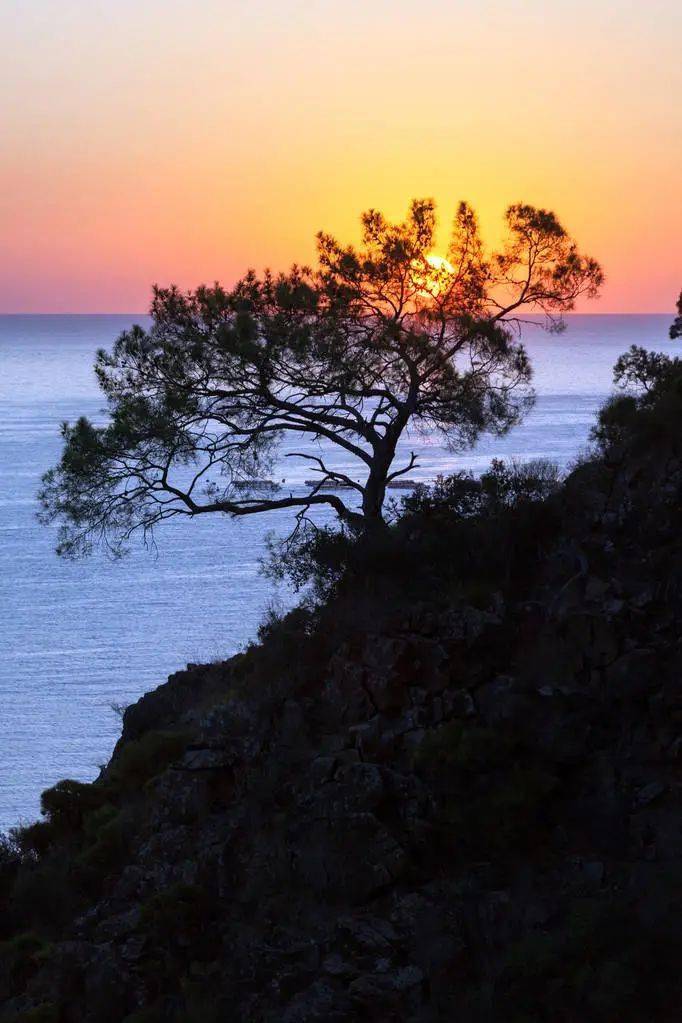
(648, 407)
(676, 328)
(639, 369)
(349, 354)
(642, 370)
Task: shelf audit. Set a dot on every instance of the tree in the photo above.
(676, 327)
(648, 406)
(641, 370)
(374, 340)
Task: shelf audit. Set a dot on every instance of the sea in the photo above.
(79, 641)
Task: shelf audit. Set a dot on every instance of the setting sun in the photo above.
(433, 281)
(440, 263)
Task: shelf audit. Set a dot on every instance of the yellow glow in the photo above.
(432, 283)
(440, 264)
(117, 172)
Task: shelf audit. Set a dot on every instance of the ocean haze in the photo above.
(79, 637)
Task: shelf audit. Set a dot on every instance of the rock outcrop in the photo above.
(432, 809)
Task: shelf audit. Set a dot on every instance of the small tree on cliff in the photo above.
(349, 354)
(643, 370)
(676, 328)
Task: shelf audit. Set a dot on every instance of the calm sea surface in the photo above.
(75, 638)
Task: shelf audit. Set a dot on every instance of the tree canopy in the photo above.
(646, 405)
(641, 369)
(373, 341)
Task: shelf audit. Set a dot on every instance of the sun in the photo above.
(434, 280)
(440, 263)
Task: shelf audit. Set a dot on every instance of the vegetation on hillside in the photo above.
(450, 780)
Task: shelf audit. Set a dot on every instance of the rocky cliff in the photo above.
(448, 794)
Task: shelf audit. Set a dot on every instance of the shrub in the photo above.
(502, 486)
(139, 760)
(109, 842)
(10, 860)
(66, 807)
(508, 483)
(20, 957)
(648, 413)
(455, 496)
(42, 895)
(284, 631)
(34, 840)
(311, 555)
(66, 803)
(461, 536)
(97, 819)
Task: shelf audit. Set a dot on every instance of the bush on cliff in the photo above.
(473, 536)
(648, 412)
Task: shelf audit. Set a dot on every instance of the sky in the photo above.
(166, 141)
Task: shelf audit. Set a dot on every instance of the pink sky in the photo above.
(176, 141)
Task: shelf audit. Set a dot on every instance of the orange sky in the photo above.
(173, 141)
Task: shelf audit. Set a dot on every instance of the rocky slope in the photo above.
(424, 802)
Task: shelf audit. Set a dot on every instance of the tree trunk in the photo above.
(375, 487)
(373, 499)
(375, 490)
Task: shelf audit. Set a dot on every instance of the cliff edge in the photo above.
(452, 792)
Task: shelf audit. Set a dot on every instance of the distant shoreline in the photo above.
(669, 313)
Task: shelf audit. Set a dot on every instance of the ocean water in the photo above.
(76, 638)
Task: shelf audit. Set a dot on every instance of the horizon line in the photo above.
(659, 312)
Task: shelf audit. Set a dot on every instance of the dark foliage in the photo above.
(462, 535)
(676, 327)
(651, 403)
(374, 339)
